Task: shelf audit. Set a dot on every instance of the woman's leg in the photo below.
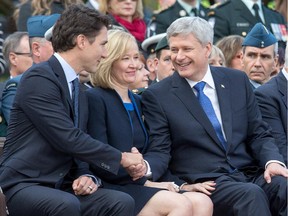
(201, 203)
(167, 203)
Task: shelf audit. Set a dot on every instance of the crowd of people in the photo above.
(110, 112)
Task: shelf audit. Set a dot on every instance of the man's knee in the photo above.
(68, 206)
(123, 202)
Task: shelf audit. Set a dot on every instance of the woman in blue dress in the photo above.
(115, 118)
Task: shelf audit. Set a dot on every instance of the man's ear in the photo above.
(81, 41)
(35, 48)
(13, 58)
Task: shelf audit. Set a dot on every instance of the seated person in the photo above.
(115, 117)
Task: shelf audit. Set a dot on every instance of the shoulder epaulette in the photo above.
(219, 5)
(162, 9)
(10, 85)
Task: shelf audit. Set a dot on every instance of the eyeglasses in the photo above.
(25, 54)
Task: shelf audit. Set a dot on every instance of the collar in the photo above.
(255, 84)
(188, 7)
(207, 78)
(69, 72)
(94, 3)
(285, 72)
(249, 4)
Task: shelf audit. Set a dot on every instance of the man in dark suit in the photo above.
(41, 168)
(237, 17)
(272, 99)
(181, 8)
(215, 133)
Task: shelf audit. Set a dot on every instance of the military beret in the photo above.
(163, 43)
(259, 36)
(38, 25)
(149, 44)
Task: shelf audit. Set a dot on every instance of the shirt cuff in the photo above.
(275, 161)
(148, 172)
(96, 180)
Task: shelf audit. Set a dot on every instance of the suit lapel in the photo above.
(222, 88)
(58, 70)
(183, 91)
(282, 87)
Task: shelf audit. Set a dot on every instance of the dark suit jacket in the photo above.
(176, 119)
(234, 18)
(272, 99)
(169, 15)
(42, 141)
(110, 123)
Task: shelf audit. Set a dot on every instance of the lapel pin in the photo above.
(222, 86)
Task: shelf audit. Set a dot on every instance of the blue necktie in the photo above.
(75, 99)
(208, 108)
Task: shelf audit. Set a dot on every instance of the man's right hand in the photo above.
(131, 159)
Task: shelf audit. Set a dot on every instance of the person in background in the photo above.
(17, 53)
(162, 62)
(260, 49)
(126, 14)
(41, 50)
(161, 20)
(209, 120)
(142, 77)
(37, 26)
(47, 150)
(231, 47)
(272, 100)
(30, 8)
(115, 117)
(237, 17)
(148, 46)
(216, 57)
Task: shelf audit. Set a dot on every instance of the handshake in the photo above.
(134, 163)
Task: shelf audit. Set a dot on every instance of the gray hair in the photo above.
(197, 26)
(11, 44)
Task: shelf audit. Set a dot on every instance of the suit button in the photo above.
(61, 174)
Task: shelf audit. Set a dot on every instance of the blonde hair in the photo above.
(118, 44)
(43, 7)
(217, 52)
(104, 8)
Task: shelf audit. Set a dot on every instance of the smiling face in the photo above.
(189, 56)
(259, 63)
(123, 8)
(124, 69)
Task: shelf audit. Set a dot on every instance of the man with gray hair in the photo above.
(207, 118)
(272, 99)
(18, 57)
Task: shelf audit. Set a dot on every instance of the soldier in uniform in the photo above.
(237, 17)
(160, 21)
(148, 46)
(260, 57)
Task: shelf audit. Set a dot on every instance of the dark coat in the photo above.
(42, 141)
(176, 120)
(234, 18)
(272, 99)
